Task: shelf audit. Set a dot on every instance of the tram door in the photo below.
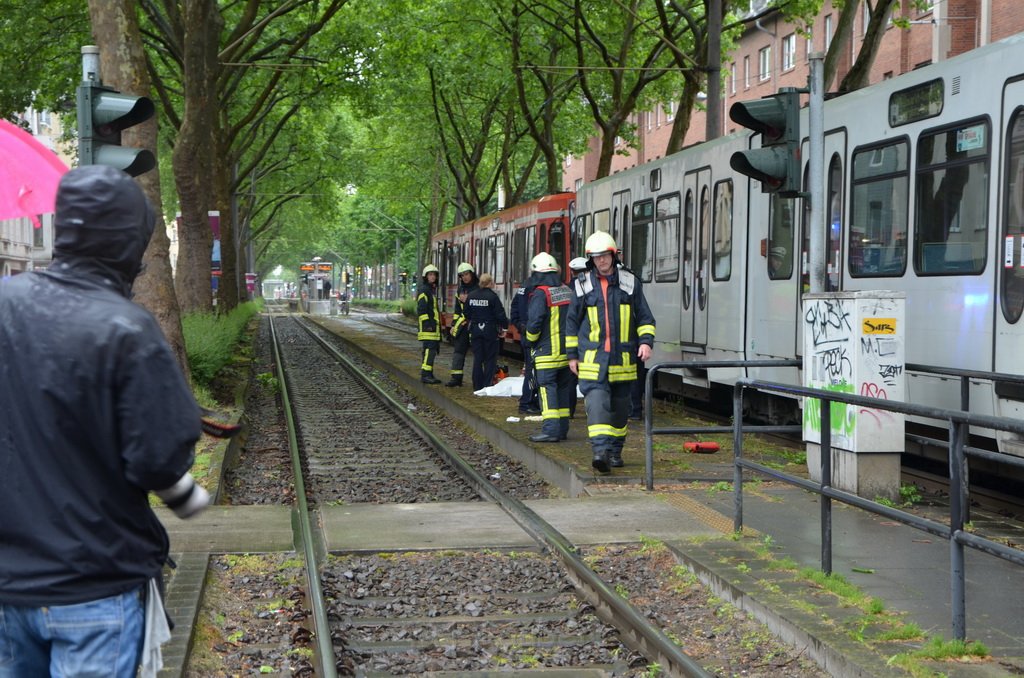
(1009, 259)
(695, 274)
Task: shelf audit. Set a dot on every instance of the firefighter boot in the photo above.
(454, 380)
(428, 377)
(600, 461)
(615, 459)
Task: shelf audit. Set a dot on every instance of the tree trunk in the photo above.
(681, 123)
(860, 72)
(839, 46)
(193, 153)
(231, 268)
(115, 28)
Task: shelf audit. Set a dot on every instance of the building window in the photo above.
(828, 31)
(732, 79)
(789, 52)
(764, 60)
(670, 113)
(810, 45)
(578, 185)
(746, 72)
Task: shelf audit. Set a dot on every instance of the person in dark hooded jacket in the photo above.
(95, 413)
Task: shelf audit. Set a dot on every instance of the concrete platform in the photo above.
(469, 525)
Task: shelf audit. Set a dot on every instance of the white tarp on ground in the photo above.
(509, 386)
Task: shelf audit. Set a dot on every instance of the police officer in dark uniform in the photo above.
(468, 283)
(609, 329)
(545, 333)
(487, 322)
(429, 314)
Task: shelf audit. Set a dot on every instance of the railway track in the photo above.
(379, 615)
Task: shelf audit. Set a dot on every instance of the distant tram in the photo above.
(924, 186)
(503, 244)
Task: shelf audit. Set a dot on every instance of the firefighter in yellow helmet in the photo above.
(545, 336)
(609, 329)
(429, 314)
(468, 283)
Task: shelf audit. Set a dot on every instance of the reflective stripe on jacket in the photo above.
(629, 323)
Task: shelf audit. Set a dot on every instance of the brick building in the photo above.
(772, 53)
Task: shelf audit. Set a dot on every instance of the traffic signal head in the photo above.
(777, 163)
(103, 114)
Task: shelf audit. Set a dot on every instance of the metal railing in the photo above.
(650, 430)
(958, 421)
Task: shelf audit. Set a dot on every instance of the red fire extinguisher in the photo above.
(701, 447)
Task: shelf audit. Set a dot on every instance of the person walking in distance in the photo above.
(468, 283)
(487, 322)
(95, 414)
(545, 334)
(429, 314)
(609, 327)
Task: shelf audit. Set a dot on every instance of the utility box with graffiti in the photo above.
(854, 343)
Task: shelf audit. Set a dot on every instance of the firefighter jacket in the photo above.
(608, 320)
(94, 408)
(458, 309)
(428, 312)
(485, 314)
(545, 326)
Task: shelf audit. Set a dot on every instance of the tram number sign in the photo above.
(324, 268)
(307, 268)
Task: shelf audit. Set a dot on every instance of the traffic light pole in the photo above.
(816, 172)
(103, 113)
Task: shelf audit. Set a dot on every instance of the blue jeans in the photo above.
(87, 640)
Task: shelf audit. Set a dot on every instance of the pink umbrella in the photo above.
(29, 174)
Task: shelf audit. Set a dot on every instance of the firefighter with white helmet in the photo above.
(429, 314)
(468, 283)
(609, 329)
(545, 335)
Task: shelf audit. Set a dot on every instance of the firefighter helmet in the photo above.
(429, 268)
(601, 242)
(578, 265)
(466, 267)
(543, 263)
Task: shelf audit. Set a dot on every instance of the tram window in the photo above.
(781, 223)
(498, 271)
(601, 221)
(704, 226)
(522, 252)
(722, 242)
(1013, 217)
(878, 218)
(951, 216)
(688, 250)
(641, 244)
(667, 236)
(556, 243)
(833, 236)
(580, 229)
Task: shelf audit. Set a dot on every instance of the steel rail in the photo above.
(636, 631)
(327, 659)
